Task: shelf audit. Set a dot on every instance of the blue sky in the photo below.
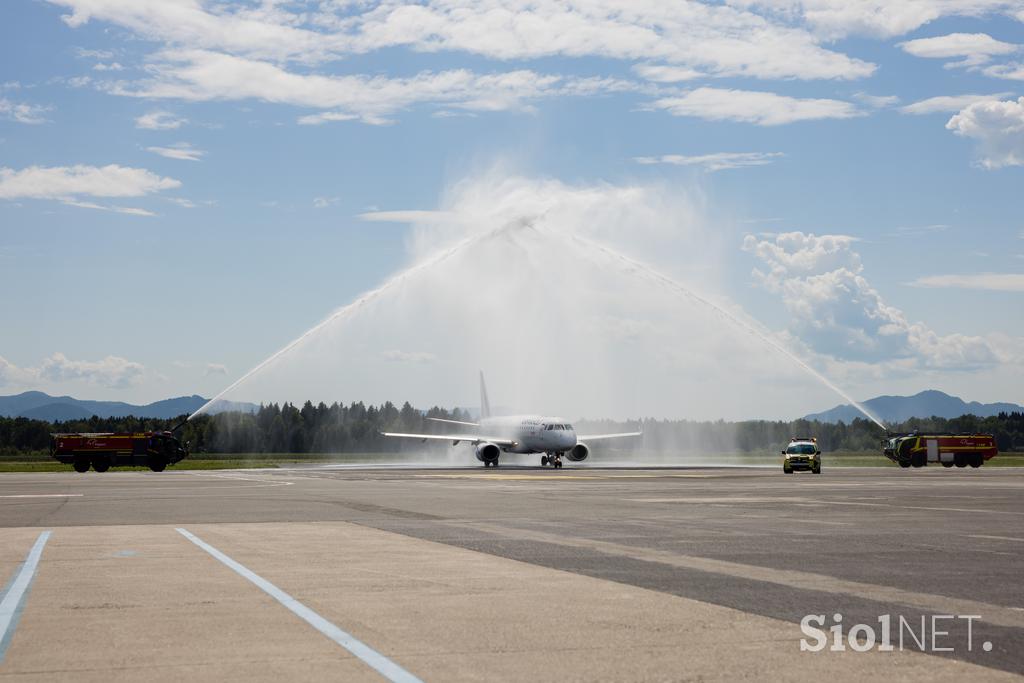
(185, 186)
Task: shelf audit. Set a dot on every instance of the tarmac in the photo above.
(615, 574)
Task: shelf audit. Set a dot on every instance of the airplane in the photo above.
(552, 437)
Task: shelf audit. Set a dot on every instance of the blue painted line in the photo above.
(13, 601)
(384, 666)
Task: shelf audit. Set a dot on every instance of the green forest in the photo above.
(355, 428)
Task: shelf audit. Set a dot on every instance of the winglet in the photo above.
(485, 405)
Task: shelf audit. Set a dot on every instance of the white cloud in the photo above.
(835, 311)
(996, 282)
(215, 369)
(998, 129)
(879, 18)
(182, 151)
(324, 202)
(750, 106)
(715, 38)
(58, 369)
(111, 371)
(407, 216)
(113, 66)
(131, 211)
(973, 48)
(877, 101)
(1013, 71)
(23, 113)
(159, 120)
(662, 73)
(66, 182)
(714, 162)
(396, 356)
(197, 75)
(94, 54)
(948, 103)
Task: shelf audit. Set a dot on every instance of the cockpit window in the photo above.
(569, 427)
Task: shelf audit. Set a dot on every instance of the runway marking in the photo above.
(996, 538)
(941, 604)
(381, 664)
(545, 477)
(43, 495)
(14, 598)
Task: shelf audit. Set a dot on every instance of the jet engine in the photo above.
(488, 452)
(578, 453)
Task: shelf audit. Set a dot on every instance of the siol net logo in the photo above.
(937, 633)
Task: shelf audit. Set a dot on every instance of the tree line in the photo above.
(356, 428)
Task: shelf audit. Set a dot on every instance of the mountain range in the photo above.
(37, 405)
(929, 403)
(40, 406)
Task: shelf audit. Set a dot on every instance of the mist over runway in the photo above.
(512, 574)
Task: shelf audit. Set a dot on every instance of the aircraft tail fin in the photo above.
(485, 405)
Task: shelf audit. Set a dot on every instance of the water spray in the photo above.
(350, 309)
(631, 265)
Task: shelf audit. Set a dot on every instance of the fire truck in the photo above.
(155, 450)
(920, 449)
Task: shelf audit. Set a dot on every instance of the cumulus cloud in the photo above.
(159, 120)
(998, 129)
(112, 372)
(836, 312)
(215, 369)
(751, 106)
(719, 39)
(949, 103)
(23, 113)
(996, 282)
(182, 151)
(973, 49)
(719, 161)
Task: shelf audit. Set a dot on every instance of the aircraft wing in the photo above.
(454, 438)
(454, 422)
(598, 437)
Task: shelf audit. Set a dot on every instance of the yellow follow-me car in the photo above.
(802, 454)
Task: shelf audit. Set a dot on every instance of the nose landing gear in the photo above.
(555, 460)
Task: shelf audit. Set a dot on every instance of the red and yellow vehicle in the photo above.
(155, 450)
(921, 449)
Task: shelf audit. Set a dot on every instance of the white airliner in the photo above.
(553, 437)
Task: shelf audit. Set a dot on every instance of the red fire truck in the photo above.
(921, 449)
(155, 450)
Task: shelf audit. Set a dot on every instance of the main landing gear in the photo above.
(491, 463)
(554, 460)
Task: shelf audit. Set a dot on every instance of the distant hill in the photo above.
(929, 403)
(40, 406)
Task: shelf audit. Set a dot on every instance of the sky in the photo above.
(186, 186)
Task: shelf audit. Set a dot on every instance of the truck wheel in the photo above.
(919, 460)
(787, 470)
(960, 459)
(904, 463)
(816, 469)
(977, 460)
(946, 463)
(157, 464)
(81, 465)
(101, 464)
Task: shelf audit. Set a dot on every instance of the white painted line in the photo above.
(384, 666)
(43, 495)
(996, 538)
(10, 605)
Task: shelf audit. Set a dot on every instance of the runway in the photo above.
(511, 574)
